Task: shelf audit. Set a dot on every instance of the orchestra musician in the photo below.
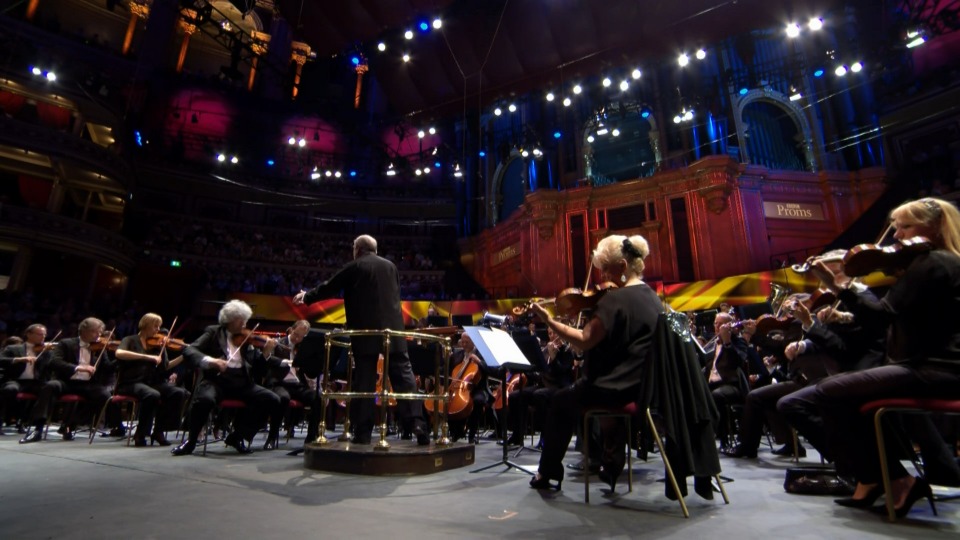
(288, 381)
(371, 298)
(142, 371)
(725, 366)
(73, 369)
(923, 351)
(479, 392)
(537, 394)
(226, 356)
(616, 340)
(18, 365)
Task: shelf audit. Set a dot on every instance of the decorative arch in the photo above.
(495, 199)
(795, 113)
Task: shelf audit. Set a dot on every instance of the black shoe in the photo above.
(875, 492)
(139, 441)
(32, 436)
(741, 451)
(233, 440)
(542, 482)
(919, 490)
(67, 434)
(578, 466)
(609, 477)
(670, 493)
(423, 437)
(703, 486)
(118, 432)
(787, 450)
(185, 448)
(159, 438)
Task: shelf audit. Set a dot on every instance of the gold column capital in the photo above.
(140, 8)
(260, 43)
(299, 52)
(187, 20)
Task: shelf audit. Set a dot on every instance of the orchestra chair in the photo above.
(63, 402)
(128, 404)
(225, 406)
(880, 407)
(627, 412)
(22, 398)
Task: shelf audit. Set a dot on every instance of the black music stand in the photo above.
(500, 353)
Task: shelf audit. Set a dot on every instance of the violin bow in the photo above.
(99, 356)
(163, 348)
(45, 350)
(244, 342)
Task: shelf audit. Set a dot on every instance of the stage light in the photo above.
(497, 112)
(424, 26)
(437, 24)
(432, 131)
(688, 116)
(624, 86)
(328, 173)
(436, 164)
(51, 76)
(301, 142)
(677, 119)
(418, 172)
(701, 54)
(512, 108)
(577, 89)
(381, 46)
(426, 170)
(456, 170)
(337, 174)
(556, 134)
(645, 112)
(353, 173)
(744, 91)
(408, 34)
(234, 160)
(537, 152)
(607, 82)
(683, 59)
(36, 71)
(524, 153)
(221, 158)
(818, 73)
(840, 71)
(483, 153)
(590, 138)
(917, 41)
(406, 57)
(816, 23)
(796, 96)
(856, 67)
(567, 101)
(793, 30)
(421, 134)
(390, 170)
(271, 163)
(315, 175)
(602, 130)
(615, 132)
(435, 148)
(355, 60)
(550, 96)
(636, 74)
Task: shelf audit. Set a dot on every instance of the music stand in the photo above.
(500, 353)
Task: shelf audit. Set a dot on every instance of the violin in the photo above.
(249, 336)
(571, 301)
(40, 347)
(867, 258)
(110, 345)
(173, 344)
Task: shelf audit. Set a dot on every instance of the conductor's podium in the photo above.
(387, 456)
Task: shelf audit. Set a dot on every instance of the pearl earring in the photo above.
(623, 278)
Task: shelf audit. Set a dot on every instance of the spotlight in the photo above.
(51, 76)
(221, 158)
(390, 170)
(624, 86)
(818, 73)
(645, 112)
(677, 119)
(271, 163)
(524, 153)
(328, 173)
(636, 74)
(556, 134)
(590, 138)
(234, 160)
(512, 108)
(406, 57)
(337, 174)
(424, 26)
(292, 141)
(418, 172)
(497, 111)
(550, 96)
(615, 132)
(816, 23)
(456, 171)
(315, 175)
(856, 67)
(426, 170)
(421, 134)
(435, 148)
(577, 89)
(408, 34)
(537, 152)
(793, 30)
(436, 164)
(381, 46)
(433, 131)
(683, 60)
(744, 91)
(602, 130)
(688, 115)
(840, 71)
(437, 24)
(301, 142)
(701, 54)
(355, 60)
(917, 41)
(353, 174)
(36, 71)
(607, 82)
(796, 96)
(483, 153)
(567, 101)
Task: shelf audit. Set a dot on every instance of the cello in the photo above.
(459, 390)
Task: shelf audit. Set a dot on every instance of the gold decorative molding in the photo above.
(186, 24)
(717, 198)
(260, 43)
(299, 52)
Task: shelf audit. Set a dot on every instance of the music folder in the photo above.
(497, 348)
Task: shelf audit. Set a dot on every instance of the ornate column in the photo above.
(139, 9)
(187, 24)
(361, 68)
(259, 46)
(299, 52)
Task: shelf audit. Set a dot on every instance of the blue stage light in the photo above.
(818, 73)
(271, 163)
(424, 26)
(355, 60)
(138, 137)
(743, 91)
(353, 173)
(483, 154)
(436, 164)
(556, 134)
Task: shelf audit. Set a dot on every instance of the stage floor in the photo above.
(66, 490)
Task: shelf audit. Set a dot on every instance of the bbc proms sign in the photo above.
(780, 210)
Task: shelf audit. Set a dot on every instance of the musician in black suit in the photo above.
(142, 372)
(228, 363)
(74, 369)
(371, 298)
(17, 364)
(557, 374)
(286, 379)
(725, 367)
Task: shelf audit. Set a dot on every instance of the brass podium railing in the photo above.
(341, 339)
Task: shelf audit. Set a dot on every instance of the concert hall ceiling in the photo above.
(502, 47)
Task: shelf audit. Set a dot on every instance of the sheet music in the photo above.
(497, 348)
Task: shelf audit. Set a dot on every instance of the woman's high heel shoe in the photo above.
(542, 482)
(919, 490)
(609, 478)
(866, 502)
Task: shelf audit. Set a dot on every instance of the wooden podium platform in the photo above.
(404, 458)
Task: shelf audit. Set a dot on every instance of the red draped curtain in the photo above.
(11, 103)
(35, 191)
(54, 115)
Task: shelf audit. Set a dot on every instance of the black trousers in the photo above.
(564, 414)
(410, 412)
(8, 395)
(95, 393)
(760, 405)
(261, 404)
(161, 398)
(725, 395)
(537, 397)
(303, 394)
(802, 412)
(850, 434)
